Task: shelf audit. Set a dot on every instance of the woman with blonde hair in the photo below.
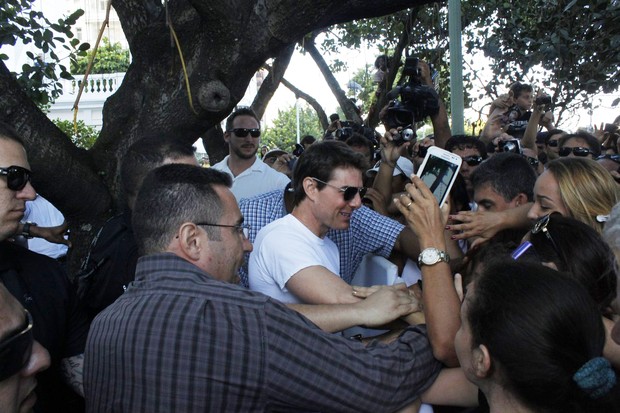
(578, 188)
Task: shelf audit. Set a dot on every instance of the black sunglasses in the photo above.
(553, 143)
(348, 192)
(243, 132)
(16, 349)
(578, 151)
(16, 177)
(473, 160)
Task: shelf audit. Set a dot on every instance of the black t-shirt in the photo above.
(43, 288)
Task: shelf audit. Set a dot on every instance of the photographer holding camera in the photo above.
(418, 100)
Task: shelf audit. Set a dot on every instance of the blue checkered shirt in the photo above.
(180, 341)
(369, 232)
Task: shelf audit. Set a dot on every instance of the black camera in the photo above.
(407, 134)
(299, 149)
(544, 100)
(417, 101)
(512, 145)
(346, 131)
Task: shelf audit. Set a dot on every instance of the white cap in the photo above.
(403, 163)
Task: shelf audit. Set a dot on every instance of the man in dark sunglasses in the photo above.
(552, 143)
(250, 175)
(473, 152)
(21, 357)
(291, 255)
(41, 285)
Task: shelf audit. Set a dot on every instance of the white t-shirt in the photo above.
(281, 250)
(257, 179)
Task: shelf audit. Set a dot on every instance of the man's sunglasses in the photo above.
(578, 151)
(16, 349)
(16, 177)
(473, 160)
(348, 192)
(243, 132)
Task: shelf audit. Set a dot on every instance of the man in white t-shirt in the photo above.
(293, 260)
(250, 175)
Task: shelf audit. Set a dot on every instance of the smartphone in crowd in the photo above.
(439, 171)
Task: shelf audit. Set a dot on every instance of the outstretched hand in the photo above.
(481, 225)
(54, 235)
(385, 303)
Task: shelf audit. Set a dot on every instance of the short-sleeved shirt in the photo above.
(369, 232)
(181, 341)
(282, 249)
(257, 179)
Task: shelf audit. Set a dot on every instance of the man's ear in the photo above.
(190, 242)
(226, 136)
(481, 360)
(520, 199)
(310, 187)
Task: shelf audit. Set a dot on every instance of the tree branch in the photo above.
(272, 81)
(349, 109)
(62, 172)
(311, 101)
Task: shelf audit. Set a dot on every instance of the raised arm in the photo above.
(439, 297)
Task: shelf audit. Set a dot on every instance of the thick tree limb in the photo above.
(348, 107)
(272, 81)
(61, 172)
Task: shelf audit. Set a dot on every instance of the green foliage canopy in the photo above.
(85, 136)
(569, 48)
(41, 78)
(110, 58)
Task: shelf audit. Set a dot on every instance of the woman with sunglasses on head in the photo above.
(576, 249)
(531, 340)
(578, 188)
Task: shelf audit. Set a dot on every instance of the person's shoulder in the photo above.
(34, 266)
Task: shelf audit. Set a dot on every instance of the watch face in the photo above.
(430, 256)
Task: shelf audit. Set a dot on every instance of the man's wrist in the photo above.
(387, 164)
(26, 229)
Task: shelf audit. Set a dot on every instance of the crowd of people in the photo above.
(230, 288)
